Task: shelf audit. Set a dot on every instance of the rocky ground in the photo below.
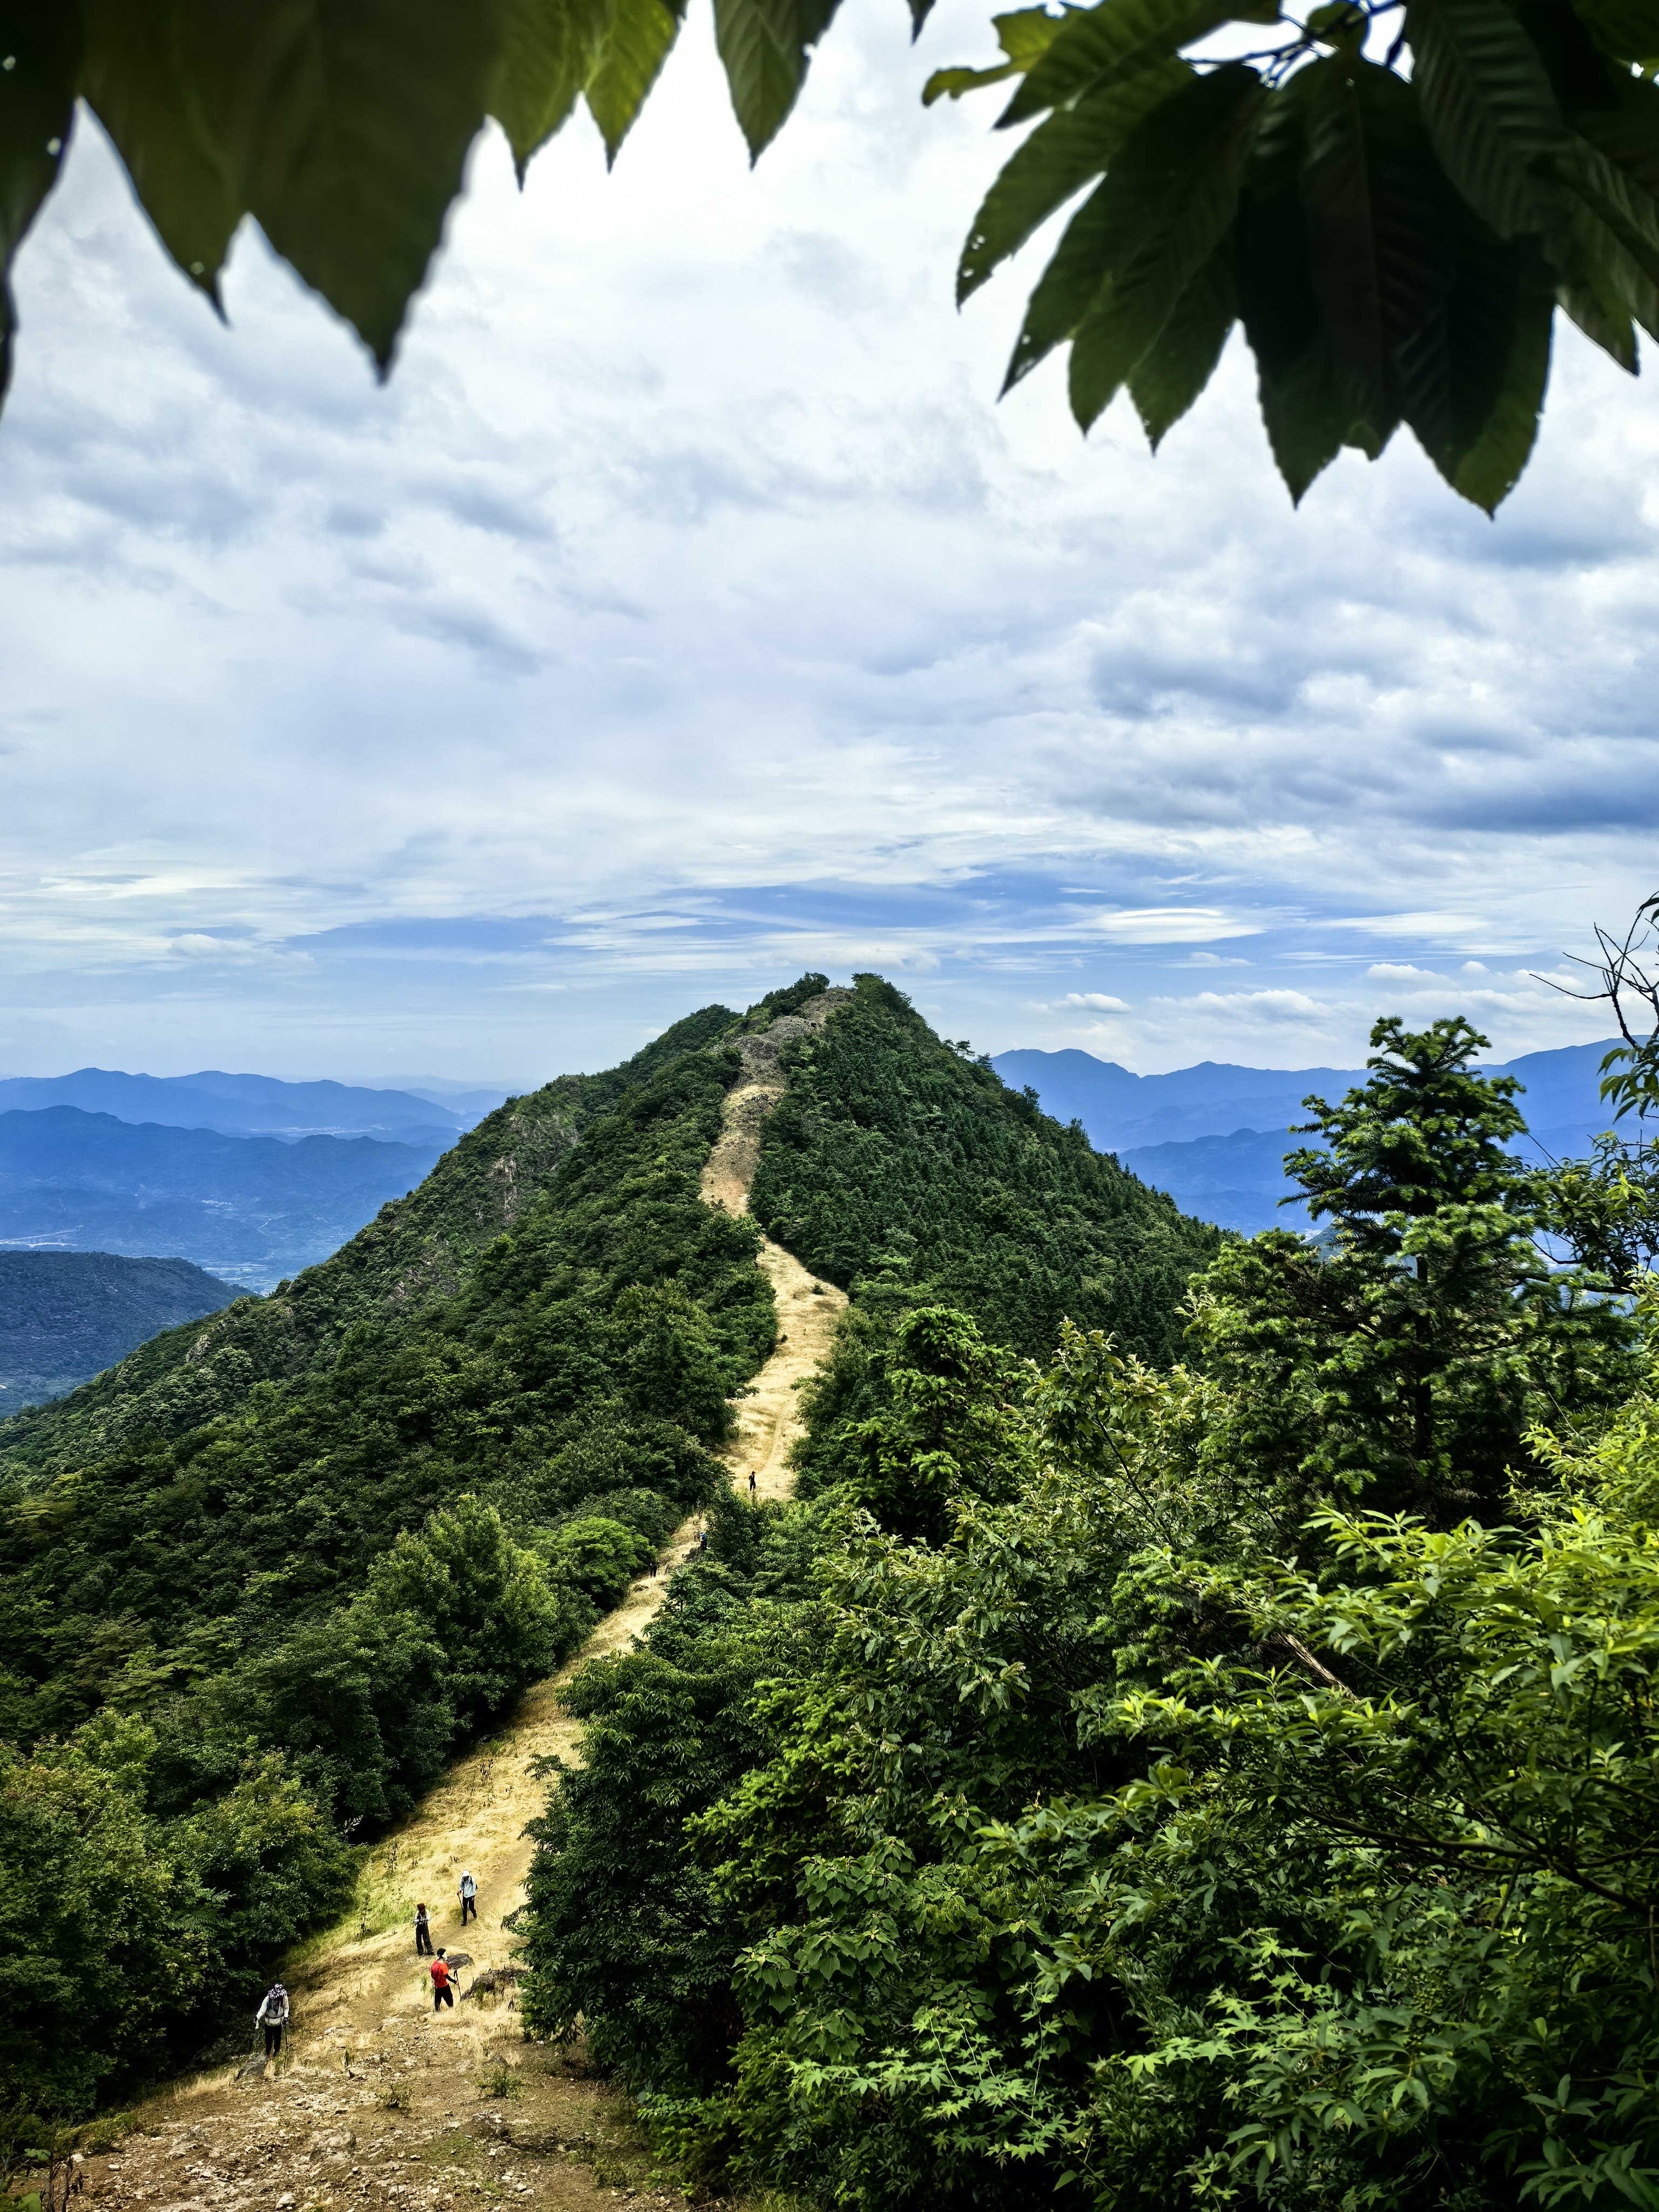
(411, 2111)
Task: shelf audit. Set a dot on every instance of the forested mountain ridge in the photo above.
(225, 1650)
(66, 1315)
(257, 1583)
(1118, 1789)
(906, 1172)
(416, 1250)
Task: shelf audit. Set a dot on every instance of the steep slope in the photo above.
(907, 1174)
(258, 1583)
(418, 1250)
(334, 2113)
(223, 1651)
(63, 1315)
(588, 1352)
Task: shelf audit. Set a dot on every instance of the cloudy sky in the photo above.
(686, 613)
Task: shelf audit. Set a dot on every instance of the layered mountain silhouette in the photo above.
(249, 1105)
(246, 1175)
(252, 1208)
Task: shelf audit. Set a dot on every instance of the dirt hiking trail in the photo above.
(377, 2101)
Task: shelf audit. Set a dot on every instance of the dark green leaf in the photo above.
(1378, 213)
(132, 80)
(1305, 416)
(1303, 408)
(1181, 358)
(1488, 106)
(1628, 133)
(345, 126)
(765, 45)
(549, 51)
(1058, 159)
(641, 32)
(1626, 29)
(1489, 464)
(1103, 44)
(1023, 37)
(1067, 288)
(37, 58)
(951, 84)
(1580, 75)
(1591, 298)
(1168, 200)
(1628, 212)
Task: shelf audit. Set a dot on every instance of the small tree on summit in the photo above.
(1403, 1363)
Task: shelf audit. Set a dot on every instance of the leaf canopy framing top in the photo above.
(1393, 233)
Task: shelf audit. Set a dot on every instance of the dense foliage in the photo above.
(1121, 1818)
(1394, 229)
(66, 1315)
(905, 1171)
(285, 1560)
(296, 1556)
(1408, 1363)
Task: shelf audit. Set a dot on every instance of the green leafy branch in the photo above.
(1395, 245)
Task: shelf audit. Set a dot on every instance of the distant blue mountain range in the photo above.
(1215, 1136)
(249, 1105)
(245, 1175)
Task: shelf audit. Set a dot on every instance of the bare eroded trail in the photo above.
(377, 2101)
(808, 1310)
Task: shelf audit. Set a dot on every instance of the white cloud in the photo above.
(685, 614)
(1100, 1002)
(1173, 925)
(195, 944)
(1255, 1005)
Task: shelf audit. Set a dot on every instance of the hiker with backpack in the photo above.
(272, 2016)
(423, 1933)
(469, 1893)
(442, 1994)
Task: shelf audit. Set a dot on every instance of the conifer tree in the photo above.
(1402, 1358)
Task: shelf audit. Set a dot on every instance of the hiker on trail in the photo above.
(751, 1482)
(272, 2016)
(468, 1895)
(441, 1992)
(702, 1541)
(423, 1933)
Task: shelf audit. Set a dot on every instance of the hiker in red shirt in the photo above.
(441, 1992)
